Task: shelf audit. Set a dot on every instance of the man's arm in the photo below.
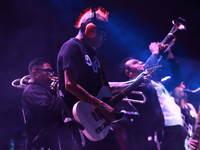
(154, 47)
(73, 87)
(44, 105)
(176, 77)
(152, 60)
(118, 86)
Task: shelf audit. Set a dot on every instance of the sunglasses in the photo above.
(103, 31)
(48, 71)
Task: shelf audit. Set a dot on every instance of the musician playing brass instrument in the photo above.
(81, 78)
(41, 109)
(172, 137)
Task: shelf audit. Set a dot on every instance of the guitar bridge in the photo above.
(105, 124)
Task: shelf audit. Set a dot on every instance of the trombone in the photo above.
(142, 101)
(21, 83)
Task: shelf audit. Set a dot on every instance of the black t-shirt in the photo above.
(85, 59)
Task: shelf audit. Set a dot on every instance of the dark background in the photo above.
(33, 28)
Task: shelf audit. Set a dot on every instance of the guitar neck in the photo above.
(117, 98)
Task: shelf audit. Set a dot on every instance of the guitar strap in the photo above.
(79, 139)
(66, 108)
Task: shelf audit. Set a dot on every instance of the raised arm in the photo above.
(155, 48)
(152, 60)
(176, 77)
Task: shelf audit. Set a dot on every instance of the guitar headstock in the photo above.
(153, 69)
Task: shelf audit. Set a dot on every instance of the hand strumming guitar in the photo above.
(107, 111)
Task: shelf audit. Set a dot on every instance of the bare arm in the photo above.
(118, 86)
(78, 91)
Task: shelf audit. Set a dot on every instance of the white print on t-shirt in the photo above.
(88, 60)
(95, 63)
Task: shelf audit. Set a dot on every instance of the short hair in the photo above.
(123, 67)
(36, 62)
(86, 17)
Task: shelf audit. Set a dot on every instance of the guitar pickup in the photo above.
(105, 124)
(99, 113)
(94, 115)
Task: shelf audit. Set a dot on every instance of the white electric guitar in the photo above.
(96, 126)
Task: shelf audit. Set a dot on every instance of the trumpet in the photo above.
(171, 38)
(21, 83)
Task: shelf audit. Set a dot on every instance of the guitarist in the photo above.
(81, 76)
(150, 119)
(80, 73)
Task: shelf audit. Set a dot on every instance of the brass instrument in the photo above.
(134, 100)
(131, 101)
(21, 83)
(171, 38)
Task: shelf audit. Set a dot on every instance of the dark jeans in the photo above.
(174, 137)
(143, 141)
(108, 143)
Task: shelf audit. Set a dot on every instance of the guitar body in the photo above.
(96, 127)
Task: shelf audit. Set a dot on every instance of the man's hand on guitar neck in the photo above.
(147, 78)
